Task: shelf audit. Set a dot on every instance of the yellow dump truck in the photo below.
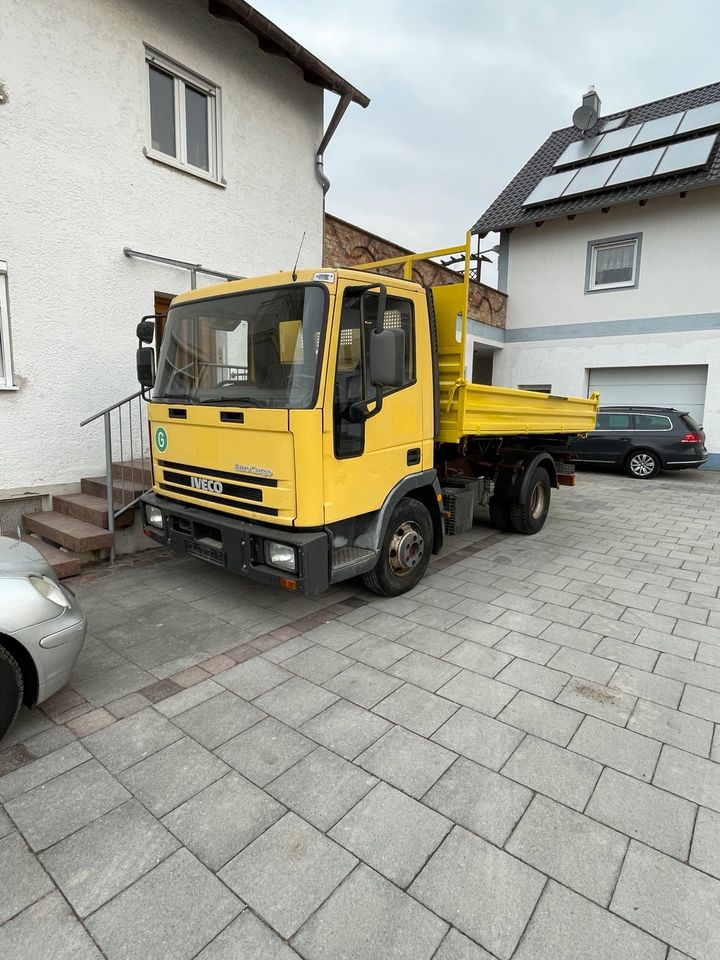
(312, 426)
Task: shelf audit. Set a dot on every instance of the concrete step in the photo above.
(124, 491)
(137, 471)
(58, 528)
(91, 509)
(64, 563)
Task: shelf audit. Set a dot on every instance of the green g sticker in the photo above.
(161, 440)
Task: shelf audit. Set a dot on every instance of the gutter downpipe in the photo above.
(343, 104)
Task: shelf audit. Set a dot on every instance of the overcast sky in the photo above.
(463, 93)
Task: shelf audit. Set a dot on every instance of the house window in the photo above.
(184, 118)
(6, 372)
(613, 264)
(536, 387)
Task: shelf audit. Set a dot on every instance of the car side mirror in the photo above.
(387, 358)
(145, 360)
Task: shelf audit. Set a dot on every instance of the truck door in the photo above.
(364, 459)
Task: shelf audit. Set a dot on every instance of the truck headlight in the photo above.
(50, 590)
(281, 555)
(154, 516)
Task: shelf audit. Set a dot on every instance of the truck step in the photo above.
(124, 491)
(65, 531)
(91, 509)
(349, 556)
(137, 471)
(64, 563)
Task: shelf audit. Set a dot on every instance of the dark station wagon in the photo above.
(643, 441)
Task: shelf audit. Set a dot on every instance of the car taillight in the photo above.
(691, 438)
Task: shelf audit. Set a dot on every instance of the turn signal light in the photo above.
(288, 584)
(691, 438)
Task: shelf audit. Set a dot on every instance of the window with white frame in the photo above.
(6, 372)
(183, 118)
(613, 264)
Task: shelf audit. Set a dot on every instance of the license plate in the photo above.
(204, 552)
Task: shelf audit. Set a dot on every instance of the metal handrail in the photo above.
(135, 432)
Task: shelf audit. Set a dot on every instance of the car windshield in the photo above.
(258, 348)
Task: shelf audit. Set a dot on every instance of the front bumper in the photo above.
(54, 646)
(238, 545)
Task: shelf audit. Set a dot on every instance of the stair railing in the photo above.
(126, 434)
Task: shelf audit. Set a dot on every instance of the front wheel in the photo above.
(11, 690)
(642, 464)
(529, 517)
(405, 552)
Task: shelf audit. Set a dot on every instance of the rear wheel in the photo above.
(642, 464)
(529, 517)
(405, 552)
(11, 690)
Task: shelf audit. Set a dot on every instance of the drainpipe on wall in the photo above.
(343, 104)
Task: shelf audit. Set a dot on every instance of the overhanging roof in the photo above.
(275, 41)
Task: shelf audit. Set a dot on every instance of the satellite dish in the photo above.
(585, 117)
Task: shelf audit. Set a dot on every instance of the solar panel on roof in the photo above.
(686, 155)
(614, 123)
(578, 151)
(590, 178)
(636, 166)
(550, 187)
(617, 140)
(659, 129)
(700, 117)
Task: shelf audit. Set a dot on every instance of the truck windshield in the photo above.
(258, 348)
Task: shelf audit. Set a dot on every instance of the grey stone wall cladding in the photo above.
(518, 760)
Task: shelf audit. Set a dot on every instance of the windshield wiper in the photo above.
(173, 397)
(250, 401)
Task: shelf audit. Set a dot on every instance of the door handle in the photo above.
(413, 456)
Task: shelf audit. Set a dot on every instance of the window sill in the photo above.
(612, 287)
(176, 165)
(9, 388)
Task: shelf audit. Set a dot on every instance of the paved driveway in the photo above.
(516, 760)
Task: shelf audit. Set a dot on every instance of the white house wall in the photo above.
(556, 332)
(77, 189)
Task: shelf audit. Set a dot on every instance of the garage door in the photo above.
(679, 387)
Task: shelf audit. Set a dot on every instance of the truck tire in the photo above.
(529, 517)
(405, 552)
(11, 690)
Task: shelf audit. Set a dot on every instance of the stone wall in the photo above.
(346, 244)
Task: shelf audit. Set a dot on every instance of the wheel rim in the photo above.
(642, 464)
(406, 548)
(537, 501)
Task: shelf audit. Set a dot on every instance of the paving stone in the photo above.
(295, 701)
(457, 947)
(566, 636)
(363, 685)
(88, 722)
(529, 648)
(671, 726)
(173, 911)
(597, 701)
(220, 821)
(321, 788)
(434, 617)
(533, 678)
(345, 728)
(616, 747)
(666, 643)
(387, 626)
(481, 890)
(47, 930)
(407, 761)
(423, 670)
(571, 848)
(131, 740)
(6, 824)
(366, 918)
(554, 771)
(479, 800)
(481, 693)
(51, 811)
(417, 709)
(688, 671)
(23, 879)
(113, 684)
(566, 926)
(287, 649)
(127, 706)
(701, 703)
(253, 678)
(522, 623)
(545, 719)
(479, 738)
(392, 833)
(106, 856)
(705, 853)
(266, 750)
(436, 643)
(682, 611)
(172, 775)
(40, 771)
(376, 651)
(476, 657)
(247, 938)
(688, 776)
(521, 604)
(317, 663)
(189, 698)
(567, 615)
(335, 635)
(217, 720)
(477, 631)
(706, 653)
(581, 664)
(649, 686)
(647, 894)
(49, 741)
(628, 653)
(287, 873)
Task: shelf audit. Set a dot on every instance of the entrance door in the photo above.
(160, 309)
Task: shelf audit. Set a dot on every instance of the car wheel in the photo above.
(529, 517)
(405, 552)
(11, 690)
(642, 464)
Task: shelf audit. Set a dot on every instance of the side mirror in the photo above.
(387, 358)
(145, 359)
(145, 331)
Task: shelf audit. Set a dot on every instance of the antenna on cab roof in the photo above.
(297, 258)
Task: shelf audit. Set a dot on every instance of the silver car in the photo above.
(42, 628)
